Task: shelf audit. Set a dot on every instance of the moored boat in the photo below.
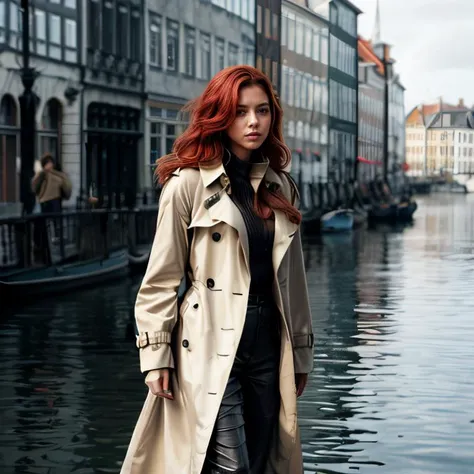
(340, 220)
(44, 281)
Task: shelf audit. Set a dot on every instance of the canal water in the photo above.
(392, 390)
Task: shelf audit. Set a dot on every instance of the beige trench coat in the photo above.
(171, 437)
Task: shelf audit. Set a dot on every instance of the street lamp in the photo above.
(28, 102)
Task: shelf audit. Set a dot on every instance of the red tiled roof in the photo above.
(367, 55)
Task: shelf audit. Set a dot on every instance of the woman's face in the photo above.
(252, 124)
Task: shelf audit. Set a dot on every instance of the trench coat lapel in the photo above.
(285, 230)
(221, 208)
(218, 205)
(284, 233)
(226, 211)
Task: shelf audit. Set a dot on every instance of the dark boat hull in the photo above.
(62, 278)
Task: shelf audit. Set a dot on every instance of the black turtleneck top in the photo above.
(260, 231)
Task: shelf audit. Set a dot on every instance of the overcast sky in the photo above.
(432, 43)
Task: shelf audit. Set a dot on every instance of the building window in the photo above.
(245, 9)
(308, 41)
(164, 128)
(54, 36)
(172, 45)
(284, 30)
(50, 132)
(2, 21)
(135, 37)
(291, 32)
(275, 27)
(220, 54)
(190, 51)
(70, 41)
(249, 50)
(15, 37)
(155, 142)
(252, 11)
(70, 4)
(108, 23)
(40, 32)
(233, 55)
(155, 40)
(267, 22)
(9, 134)
(205, 41)
(259, 20)
(93, 21)
(123, 31)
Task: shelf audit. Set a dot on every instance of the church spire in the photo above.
(376, 39)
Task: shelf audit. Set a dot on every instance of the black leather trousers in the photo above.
(248, 414)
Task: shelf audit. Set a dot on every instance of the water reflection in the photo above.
(347, 298)
(391, 390)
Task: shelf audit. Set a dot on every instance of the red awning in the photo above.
(369, 162)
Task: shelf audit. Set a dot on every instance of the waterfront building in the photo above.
(371, 112)
(112, 99)
(343, 90)
(396, 161)
(55, 54)
(267, 37)
(439, 139)
(381, 141)
(187, 42)
(304, 92)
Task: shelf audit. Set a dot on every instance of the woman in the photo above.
(224, 367)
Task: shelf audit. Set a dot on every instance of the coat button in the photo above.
(216, 236)
(195, 306)
(210, 283)
(185, 343)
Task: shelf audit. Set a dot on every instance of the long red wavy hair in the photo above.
(203, 142)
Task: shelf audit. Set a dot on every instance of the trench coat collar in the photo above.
(209, 174)
(223, 209)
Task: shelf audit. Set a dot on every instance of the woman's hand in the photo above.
(158, 381)
(300, 380)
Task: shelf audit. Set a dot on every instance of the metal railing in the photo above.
(46, 239)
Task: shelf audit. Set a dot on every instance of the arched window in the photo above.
(8, 111)
(49, 133)
(9, 136)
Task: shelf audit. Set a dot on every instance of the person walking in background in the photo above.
(51, 185)
(225, 365)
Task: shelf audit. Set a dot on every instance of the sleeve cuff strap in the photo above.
(303, 340)
(145, 339)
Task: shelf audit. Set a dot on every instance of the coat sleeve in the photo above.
(156, 307)
(300, 308)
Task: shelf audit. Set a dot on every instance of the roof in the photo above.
(424, 113)
(367, 55)
(452, 119)
(351, 6)
(305, 9)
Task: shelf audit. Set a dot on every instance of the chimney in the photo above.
(461, 103)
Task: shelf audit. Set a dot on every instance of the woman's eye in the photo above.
(263, 111)
(240, 113)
